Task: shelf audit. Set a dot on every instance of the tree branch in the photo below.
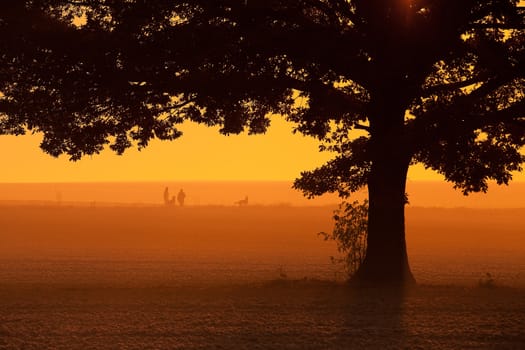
(435, 89)
(177, 106)
(361, 127)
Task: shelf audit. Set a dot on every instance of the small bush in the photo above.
(350, 234)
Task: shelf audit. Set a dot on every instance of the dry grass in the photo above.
(234, 278)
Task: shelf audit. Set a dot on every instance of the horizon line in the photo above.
(203, 180)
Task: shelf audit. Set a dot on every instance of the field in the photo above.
(222, 277)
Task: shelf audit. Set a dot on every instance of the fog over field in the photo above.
(421, 194)
(80, 272)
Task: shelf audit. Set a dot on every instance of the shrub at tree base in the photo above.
(350, 235)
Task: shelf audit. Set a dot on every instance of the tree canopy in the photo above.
(88, 73)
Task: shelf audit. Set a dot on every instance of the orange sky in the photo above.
(201, 154)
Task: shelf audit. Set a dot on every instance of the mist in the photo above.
(218, 271)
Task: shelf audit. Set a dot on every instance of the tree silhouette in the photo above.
(437, 82)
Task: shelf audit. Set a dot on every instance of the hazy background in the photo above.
(121, 233)
(421, 194)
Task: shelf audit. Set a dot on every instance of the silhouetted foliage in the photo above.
(437, 82)
(349, 233)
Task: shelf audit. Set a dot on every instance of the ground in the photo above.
(250, 278)
(272, 315)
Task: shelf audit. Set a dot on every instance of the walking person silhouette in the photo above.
(180, 197)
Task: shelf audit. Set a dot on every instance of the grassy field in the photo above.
(250, 278)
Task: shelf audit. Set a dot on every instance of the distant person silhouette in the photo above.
(242, 202)
(166, 196)
(180, 197)
(167, 200)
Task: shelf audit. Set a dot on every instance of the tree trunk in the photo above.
(386, 260)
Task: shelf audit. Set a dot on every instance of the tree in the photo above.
(439, 82)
